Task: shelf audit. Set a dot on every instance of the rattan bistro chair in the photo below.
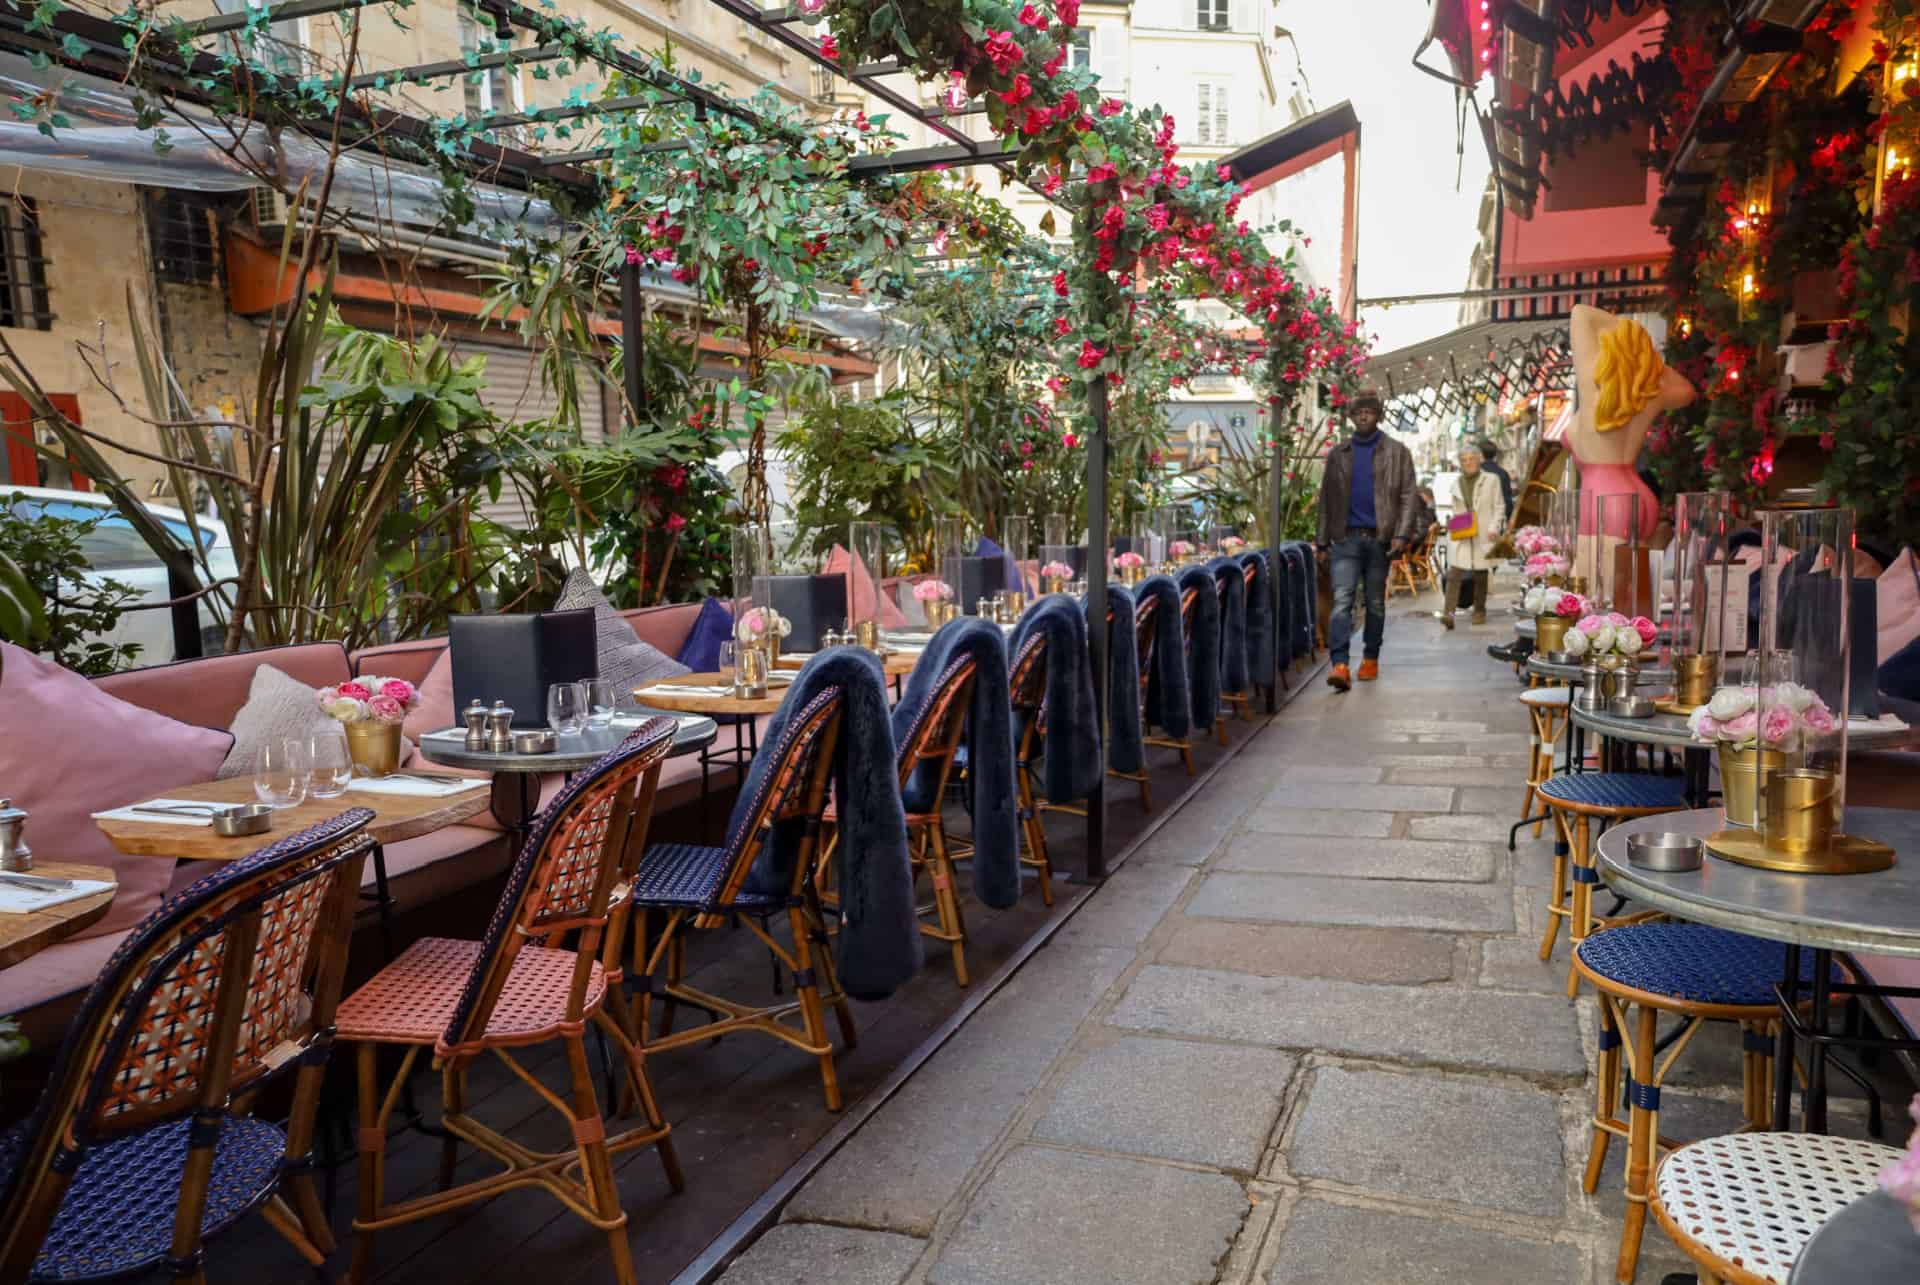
(518, 987)
(1577, 799)
(1240, 702)
(690, 886)
(1698, 974)
(1547, 709)
(140, 1149)
(1146, 612)
(1027, 688)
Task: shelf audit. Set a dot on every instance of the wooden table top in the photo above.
(661, 695)
(898, 664)
(24, 936)
(395, 817)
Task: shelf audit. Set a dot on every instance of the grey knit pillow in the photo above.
(278, 707)
(626, 660)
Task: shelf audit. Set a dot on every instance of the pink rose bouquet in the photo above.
(1231, 544)
(385, 700)
(1179, 549)
(1542, 565)
(1057, 571)
(1781, 717)
(1130, 559)
(933, 591)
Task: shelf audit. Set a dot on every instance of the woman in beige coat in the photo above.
(1479, 495)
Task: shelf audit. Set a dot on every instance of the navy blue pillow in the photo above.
(713, 626)
(1899, 677)
(988, 549)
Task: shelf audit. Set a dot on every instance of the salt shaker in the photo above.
(476, 719)
(15, 855)
(500, 728)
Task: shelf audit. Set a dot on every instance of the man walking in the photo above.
(1367, 514)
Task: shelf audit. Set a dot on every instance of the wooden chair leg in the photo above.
(1035, 833)
(843, 1011)
(1557, 890)
(453, 1102)
(372, 1147)
(947, 899)
(596, 1166)
(807, 987)
(1606, 1097)
(639, 1087)
(1580, 922)
(297, 1185)
(1643, 1123)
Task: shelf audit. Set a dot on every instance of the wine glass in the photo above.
(281, 773)
(601, 700)
(566, 707)
(726, 661)
(332, 765)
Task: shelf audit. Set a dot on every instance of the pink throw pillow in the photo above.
(94, 752)
(435, 710)
(1898, 594)
(863, 590)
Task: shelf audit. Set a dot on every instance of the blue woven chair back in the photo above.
(940, 717)
(1027, 684)
(1146, 614)
(177, 997)
(564, 874)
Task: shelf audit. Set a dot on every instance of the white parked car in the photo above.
(117, 552)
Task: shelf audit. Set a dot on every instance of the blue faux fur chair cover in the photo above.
(1306, 596)
(1203, 656)
(1259, 617)
(879, 938)
(1072, 769)
(1125, 753)
(989, 749)
(1232, 583)
(1169, 700)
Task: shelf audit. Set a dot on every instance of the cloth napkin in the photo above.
(407, 785)
(177, 818)
(15, 900)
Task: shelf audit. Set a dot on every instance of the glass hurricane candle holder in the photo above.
(1016, 541)
(1614, 558)
(1699, 575)
(866, 542)
(1060, 544)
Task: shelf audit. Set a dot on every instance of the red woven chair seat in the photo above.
(412, 999)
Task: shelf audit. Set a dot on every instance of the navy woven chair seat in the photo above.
(688, 876)
(1694, 963)
(1616, 790)
(117, 1217)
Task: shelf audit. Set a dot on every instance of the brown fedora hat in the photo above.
(1366, 397)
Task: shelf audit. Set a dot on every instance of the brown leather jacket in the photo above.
(1395, 507)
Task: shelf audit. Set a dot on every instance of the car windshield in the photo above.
(114, 544)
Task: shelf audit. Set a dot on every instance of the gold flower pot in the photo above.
(1743, 776)
(1694, 678)
(939, 613)
(374, 746)
(1056, 584)
(1132, 575)
(1550, 633)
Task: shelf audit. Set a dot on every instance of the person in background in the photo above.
(1426, 517)
(1490, 463)
(1471, 558)
(1367, 516)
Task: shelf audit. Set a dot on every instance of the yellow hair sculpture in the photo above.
(1627, 375)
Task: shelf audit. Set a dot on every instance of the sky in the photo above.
(1417, 222)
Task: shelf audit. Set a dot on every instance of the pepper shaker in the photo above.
(500, 728)
(15, 855)
(476, 719)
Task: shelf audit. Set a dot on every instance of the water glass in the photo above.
(601, 700)
(726, 661)
(566, 707)
(281, 773)
(332, 765)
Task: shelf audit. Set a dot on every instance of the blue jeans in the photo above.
(1358, 560)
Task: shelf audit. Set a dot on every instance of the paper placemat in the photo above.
(15, 900)
(422, 789)
(175, 818)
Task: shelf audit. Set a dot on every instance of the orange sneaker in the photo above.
(1339, 679)
(1369, 670)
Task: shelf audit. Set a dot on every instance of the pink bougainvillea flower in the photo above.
(1032, 17)
(1052, 66)
(829, 47)
(955, 95)
(1068, 12)
(1026, 466)
(1111, 107)
(1101, 173)
(1224, 172)
(1003, 51)
(633, 256)
(1090, 356)
(1069, 441)
(1052, 184)
(1060, 284)
(676, 523)
(1062, 326)
(1021, 90)
(1033, 122)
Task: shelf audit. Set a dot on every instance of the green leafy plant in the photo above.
(863, 461)
(47, 554)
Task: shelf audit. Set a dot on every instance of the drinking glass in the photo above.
(601, 699)
(280, 773)
(331, 763)
(726, 661)
(566, 706)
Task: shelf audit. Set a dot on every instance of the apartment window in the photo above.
(1213, 15)
(1081, 45)
(180, 228)
(1210, 116)
(495, 90)
(23, 267)
(281, 47)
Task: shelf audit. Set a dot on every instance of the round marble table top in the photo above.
(1670, 730)
(1878, 912)
(576, 750)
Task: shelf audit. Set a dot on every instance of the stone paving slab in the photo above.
(1375, 903)
(1475, 827)
(1361, 798)
(1210, 1104)
(1356, 954)
(1332, 773)
(1048, 1217)
(1500, 801)
(1409, 859)
(1327, 822)
(1329, 1244)
(1483, 777)
(910, 1160)
(1478, 1143)
(1127, 907)
(804, 1252)
(1433, 1025)
(1514, 964)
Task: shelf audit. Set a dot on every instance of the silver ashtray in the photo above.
(1664, 850)
(1631, 707)
(247, 818)
(1560, 658)
(535, 742)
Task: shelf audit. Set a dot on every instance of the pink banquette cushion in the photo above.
(864, 595)
(92, 752)
(1898, 607)
(210, 691)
